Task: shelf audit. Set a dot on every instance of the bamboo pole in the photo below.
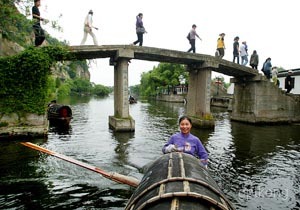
(110, 175)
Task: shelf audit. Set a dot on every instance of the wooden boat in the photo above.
(59, 115)
(174, 181)
(177, 181)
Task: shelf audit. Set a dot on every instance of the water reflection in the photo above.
(121, 149)
(256, 166)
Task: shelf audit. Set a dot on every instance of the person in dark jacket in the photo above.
(288, 82)
(267, 68)
(38, 31)
(254, 60)
(236, 49)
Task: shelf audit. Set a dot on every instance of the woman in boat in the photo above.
(186, 142)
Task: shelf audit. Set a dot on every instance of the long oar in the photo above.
(110, 175)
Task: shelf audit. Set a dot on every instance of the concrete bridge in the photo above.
(199, 67)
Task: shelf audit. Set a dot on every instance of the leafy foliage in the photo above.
(163, 75)
(100, 90)
(14, 26)
(24, 79)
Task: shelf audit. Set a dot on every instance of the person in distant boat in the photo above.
(140, 29)
(186, 142)
(38, 30)
(88, 28)
(53, 102)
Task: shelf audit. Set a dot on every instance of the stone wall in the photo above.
(26, 125)
(260, 101)
(172, 98)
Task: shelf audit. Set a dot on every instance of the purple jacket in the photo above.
(188, 144)
(139, 22)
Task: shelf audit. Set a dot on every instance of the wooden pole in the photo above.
(110, 175)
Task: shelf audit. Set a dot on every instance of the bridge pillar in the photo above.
(256, 100)
(121, 121)
(198, 98)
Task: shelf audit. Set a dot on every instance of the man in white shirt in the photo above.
(88, 26)
(244, 53)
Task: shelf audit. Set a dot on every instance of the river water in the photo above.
(257, 167)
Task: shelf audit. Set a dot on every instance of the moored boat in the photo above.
(177, 181)
(59, 115)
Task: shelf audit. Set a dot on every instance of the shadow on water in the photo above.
(61, 130)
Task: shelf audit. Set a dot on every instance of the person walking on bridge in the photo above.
(244, 53)
(192, 38)
(254, 60)
(221, 45)
(88, 28)
(236, 49)
(38, 30)
(274, 76)
(140, 29)
(267, 68)
(288, 82)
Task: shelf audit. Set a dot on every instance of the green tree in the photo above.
(81, 86)
(164, 75)
(100, 90)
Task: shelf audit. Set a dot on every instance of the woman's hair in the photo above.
(184, 118)
(140, 14)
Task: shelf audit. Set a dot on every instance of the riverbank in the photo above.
(29, 125)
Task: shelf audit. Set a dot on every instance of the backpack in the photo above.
(263, 67)
(189, 36)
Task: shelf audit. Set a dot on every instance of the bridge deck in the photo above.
(162, 55)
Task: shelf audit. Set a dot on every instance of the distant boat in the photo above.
(132, 100)
(59, 115)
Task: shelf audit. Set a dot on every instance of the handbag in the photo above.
(140, 30)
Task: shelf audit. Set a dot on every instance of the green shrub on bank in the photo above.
(100, 90)
(24, 79)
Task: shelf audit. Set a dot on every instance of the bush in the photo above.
(100, 90)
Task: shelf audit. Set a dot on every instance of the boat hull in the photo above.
(177, 181)
(59, 115)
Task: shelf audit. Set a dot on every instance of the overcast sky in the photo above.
(270, 27)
